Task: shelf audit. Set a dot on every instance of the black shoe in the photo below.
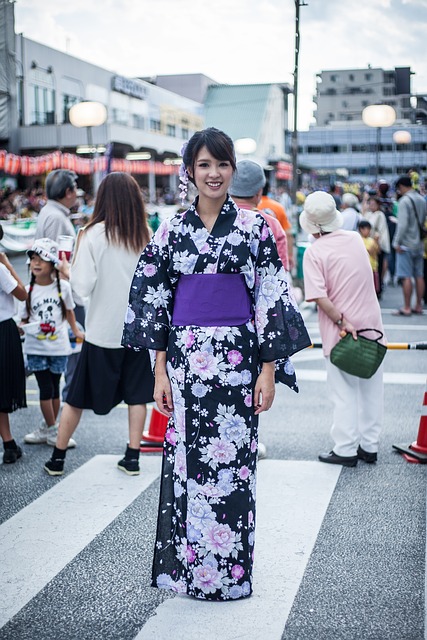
(131, 466)
(366, 456)
(333, 458)
(11, 455)
(54, 467)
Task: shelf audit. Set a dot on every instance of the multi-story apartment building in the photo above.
(342, 94)
(340, 145)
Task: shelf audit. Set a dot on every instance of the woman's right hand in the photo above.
(163, 392)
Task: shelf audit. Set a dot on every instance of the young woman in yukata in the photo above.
(210, 297)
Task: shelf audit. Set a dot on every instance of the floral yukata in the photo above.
(206, 523)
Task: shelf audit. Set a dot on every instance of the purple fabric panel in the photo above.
(212, 300)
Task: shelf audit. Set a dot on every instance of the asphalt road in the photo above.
(340, 553)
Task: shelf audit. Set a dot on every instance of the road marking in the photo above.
(308, 356)
(122, 405)
(41, 539)
(405, 327)
(319, 375)
(292, 498)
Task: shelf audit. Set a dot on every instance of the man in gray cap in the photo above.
(246, 191)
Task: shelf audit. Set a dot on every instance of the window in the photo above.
(345, 104)
(138, 121)
(185, 133)
(171, 130)
(154, 125)
(368, 76)
(334, 77)
(334, 148)
(388, 91)
(120, 116)
(359, 148)
(351, 77)
(68, 101)
(42, 105)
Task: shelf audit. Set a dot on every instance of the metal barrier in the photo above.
(421, 346)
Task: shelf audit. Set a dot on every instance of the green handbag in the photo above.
(360, 357)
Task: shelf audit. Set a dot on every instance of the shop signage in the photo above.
(129, 87)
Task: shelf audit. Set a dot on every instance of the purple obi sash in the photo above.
(212, 300)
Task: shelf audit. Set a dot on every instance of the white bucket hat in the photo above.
(46, 248)
(320, 214)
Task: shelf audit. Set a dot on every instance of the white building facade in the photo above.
(42, 84)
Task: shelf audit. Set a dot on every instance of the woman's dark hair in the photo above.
(120, 206)
(58, 284)
(218, 143)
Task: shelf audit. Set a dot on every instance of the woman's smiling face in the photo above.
(212, 176)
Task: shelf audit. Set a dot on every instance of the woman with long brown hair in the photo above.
(107, 252)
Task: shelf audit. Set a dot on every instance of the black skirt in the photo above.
(105, 377)
(12, 370)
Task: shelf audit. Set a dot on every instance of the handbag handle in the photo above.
(381, 334)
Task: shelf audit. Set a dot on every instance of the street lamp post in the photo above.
(401, 137)
(88, 114)
(294, 140)
(378, 116)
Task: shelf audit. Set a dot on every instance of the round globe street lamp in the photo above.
(378, 116)
(88, 114)
(245, 146)
(401, 137)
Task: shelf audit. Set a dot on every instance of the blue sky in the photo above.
(236, 42)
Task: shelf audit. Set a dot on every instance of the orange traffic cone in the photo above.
(152, 440)
(417, 451)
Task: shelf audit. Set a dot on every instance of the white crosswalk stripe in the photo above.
(45, 536)
(319, 375)
(292, 500)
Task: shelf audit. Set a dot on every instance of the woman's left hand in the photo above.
(264, 388)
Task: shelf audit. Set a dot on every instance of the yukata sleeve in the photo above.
(149, 312)
(279, 324)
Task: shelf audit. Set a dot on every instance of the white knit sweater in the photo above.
(103, 272)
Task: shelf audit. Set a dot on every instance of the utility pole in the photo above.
(294, 143)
